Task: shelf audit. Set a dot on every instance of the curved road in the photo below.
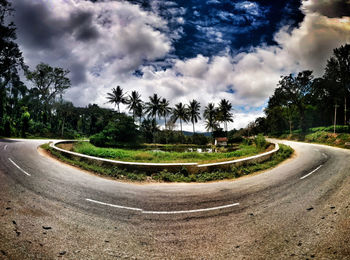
(299, 209)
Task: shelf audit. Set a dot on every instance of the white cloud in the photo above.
(129, 36)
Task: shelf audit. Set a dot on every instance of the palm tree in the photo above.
(225, 114)
(164, 110)
(193, 110)
(153, 106)
(116, 97)
(153, 109)
(133, 101)
(180, 112)
(139, 111)
(210, 115)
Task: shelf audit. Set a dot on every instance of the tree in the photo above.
(48, 83)
(25, 118)
(225, 114)
(210, 115)
(119, 132)
(10, 58)
(295, 90)
(180, 112)
(116, 97)
(338, 70)
(133, 101)
(148, 129)
(139, 111)
(164, 110)
(64, 109)
(193, 111)
(153, 107)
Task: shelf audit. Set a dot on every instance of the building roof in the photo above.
(221, 139)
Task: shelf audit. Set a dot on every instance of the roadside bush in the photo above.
(338, 129)
(119, 133)
(260, 142)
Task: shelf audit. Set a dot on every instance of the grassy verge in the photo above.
(321, 137)
(182, 176)
(163, 156)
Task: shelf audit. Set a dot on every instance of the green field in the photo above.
(143, 155)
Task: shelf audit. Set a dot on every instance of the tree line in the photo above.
(302, 101)
(184, 113)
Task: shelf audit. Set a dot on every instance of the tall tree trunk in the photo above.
(62, 127)
(166, 134)
(335, 116)
(193, 128)
(181, 125)
(345, 122)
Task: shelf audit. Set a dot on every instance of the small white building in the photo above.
(221, 141)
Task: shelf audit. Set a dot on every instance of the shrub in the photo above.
(119, 133)
(260, 141)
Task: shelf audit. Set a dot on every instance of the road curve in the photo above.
(299, 209)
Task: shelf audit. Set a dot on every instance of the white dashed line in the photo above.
(311, 172)
(26, 173)
(5, 147)
(325, 155)
(164, 212)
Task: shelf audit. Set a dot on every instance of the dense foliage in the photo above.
(301, 102)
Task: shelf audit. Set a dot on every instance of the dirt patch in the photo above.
(66, 146)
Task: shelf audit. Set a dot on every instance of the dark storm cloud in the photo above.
(40, 30)
(78, 73)
(331, 8)
(81, 25)
(36, 27)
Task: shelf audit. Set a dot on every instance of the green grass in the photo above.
(321, 137)
(181, 176)
(235, 172)
(161, 156)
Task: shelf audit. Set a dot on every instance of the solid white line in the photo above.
(163, 212)
(5, 147)
(114, 206)
(311, 172)
(19, 167)
(189, 211)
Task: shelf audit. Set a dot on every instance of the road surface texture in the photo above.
(298, 210)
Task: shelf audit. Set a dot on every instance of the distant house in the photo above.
(221, 141)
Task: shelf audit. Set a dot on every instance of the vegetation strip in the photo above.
(53, 145)
(183, 175)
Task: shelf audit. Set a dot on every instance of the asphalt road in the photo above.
(300, 209)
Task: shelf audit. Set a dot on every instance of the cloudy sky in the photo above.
(183, 50)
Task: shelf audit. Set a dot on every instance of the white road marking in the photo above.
(311, 172)
(163, 212)
(114, 206)
(324, 155)
(189, 211)
(26, 173)
(5, 147)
